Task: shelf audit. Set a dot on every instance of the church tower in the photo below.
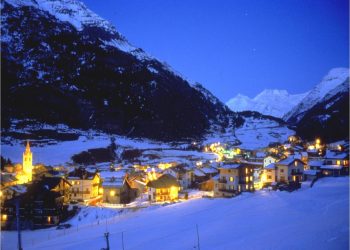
(28, 162)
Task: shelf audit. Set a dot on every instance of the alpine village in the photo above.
(105, 146)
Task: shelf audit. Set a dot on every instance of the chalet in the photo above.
(227, 185)
(165, 188)
(332, 170)
(57, 184)
(199, 176)
(289, 170)
(43, 205)
(234, 178)
(183, 174)
(137, 182)
(337, 158)
(246, 176)
(269, 174)
(85, 184)
(116, 188)
(7, 193)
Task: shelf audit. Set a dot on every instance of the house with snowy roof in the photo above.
(268, 176)
(42, 204)
(337, 158)
(165, 188)
(289, 170)
(85, 184)
(116, 188)
(183, 174)
(227, 184)
(234, 178)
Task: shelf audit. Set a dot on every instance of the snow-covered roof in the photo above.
(288, 161)
(310, 172)
(230, 166)
(209, 170)
(335, 155)
(271, 166)
(315, 163)
(333, 167)
(119, 182)
(198, 173)
(111, 174)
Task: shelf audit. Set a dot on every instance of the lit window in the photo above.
(246, 170)
(246, 187)
(247, 179)
(295, 163)
(338, 162)
(231, 179)
(112, 193)
(4, 217)
(49, 219)
(251, 178)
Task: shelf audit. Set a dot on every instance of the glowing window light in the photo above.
(112, 193)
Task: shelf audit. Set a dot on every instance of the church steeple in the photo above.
(28, 162)
(27, 147)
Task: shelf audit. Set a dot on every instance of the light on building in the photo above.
(4, 216)
(100, 190)
(318, 141)
(49, 219)
(112, 193)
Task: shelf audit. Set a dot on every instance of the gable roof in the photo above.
(230, 166)
(335, 155)
(81, 173)
(52, 182)
(271, 166)
(165, 181)
(288, 161)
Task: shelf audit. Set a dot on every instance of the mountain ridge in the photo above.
(271, 102)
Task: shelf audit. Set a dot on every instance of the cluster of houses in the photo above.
(44, 196)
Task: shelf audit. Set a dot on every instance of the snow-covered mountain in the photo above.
(73, 67)
(269, 102)
(328, 87)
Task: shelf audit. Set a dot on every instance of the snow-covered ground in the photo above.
(310, 218)
(256, 133)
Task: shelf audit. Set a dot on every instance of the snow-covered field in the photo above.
(310, 218)
(256, 133)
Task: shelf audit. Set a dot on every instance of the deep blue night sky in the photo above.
(238, 46)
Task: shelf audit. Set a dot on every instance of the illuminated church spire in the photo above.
(28, 162)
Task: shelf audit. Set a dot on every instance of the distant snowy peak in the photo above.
(269, 102)
(329, 86)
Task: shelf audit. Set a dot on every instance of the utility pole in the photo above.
(123, 240)
(197, 238)
(18, 225)
(107, 240)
